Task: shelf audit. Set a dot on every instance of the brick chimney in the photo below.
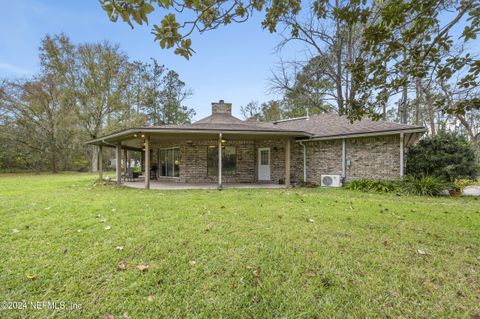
(221, 108)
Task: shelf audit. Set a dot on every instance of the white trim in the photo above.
(338, 137)
(199, 131)
(259, 160)
(344, 159)
(287, 163)
(219, 160)
(118, 163)
(147, 165)
(304, 162)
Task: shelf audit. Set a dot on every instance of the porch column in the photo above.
(118, 165)
(220, 161)
(125, 160)
(100, 162)
(344, 159)
(147, 162)
(158, 164)
(287, 163)
(402, 149)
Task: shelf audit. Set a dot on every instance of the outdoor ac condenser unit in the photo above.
(331, 180)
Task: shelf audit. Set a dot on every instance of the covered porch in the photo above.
(187, 159)
(214, 152)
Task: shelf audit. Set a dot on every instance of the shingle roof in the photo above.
(225, 122)
(222, 121)
(219, 118)
(331, 124)
(328, 125)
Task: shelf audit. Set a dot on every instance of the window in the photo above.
(229, 160)
(169, 162)
(265, 157)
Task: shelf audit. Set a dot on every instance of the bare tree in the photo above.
(331, 47)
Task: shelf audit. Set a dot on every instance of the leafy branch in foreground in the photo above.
(397, 42)
(205, 15)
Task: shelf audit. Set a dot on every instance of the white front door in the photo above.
(264, 164)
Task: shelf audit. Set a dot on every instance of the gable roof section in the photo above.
(331, 125)
(219, 118)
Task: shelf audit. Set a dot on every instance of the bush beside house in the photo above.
(448, 156)
(435, 164)
(423, 186)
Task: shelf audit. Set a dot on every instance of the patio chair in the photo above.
(153, 174)
(129, 175)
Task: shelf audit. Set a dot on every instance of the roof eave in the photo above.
(130, 131)
(365, 134)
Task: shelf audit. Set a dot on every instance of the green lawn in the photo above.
(300, 253)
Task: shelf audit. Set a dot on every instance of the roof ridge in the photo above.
(291, 119)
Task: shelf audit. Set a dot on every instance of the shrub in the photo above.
(358, 185)
(447, 155)
(373, 185)
(423, 186)
(462, 183)
(308, 184)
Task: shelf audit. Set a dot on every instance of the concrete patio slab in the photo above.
(183, 186)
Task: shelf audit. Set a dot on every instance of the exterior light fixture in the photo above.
(223, 141)
(143, 135)
(135, 135)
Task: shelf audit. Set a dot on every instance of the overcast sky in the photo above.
(231, 63)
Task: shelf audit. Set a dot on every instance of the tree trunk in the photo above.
(53, 163)
(338, 49)
(430, 108)
(472, 134)
(431, 113)
(94, 161)
(418, 98)
(403, 106)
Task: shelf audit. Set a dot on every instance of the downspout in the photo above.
(304, 161)
(344, 160)
(402, 162)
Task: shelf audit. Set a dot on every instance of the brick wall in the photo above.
(374, 157)
(193, 160)
(369, 157)
(277, 158)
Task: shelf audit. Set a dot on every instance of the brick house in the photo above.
(287, 151)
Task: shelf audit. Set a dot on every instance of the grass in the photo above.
(300, 253)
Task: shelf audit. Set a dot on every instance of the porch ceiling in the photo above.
(133, 138)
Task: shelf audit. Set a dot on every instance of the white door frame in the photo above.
(264, 171)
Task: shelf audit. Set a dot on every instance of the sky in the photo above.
(232, 63)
